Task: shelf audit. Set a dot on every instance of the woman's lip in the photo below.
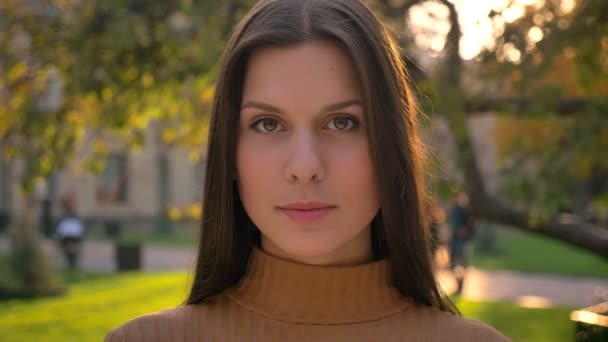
(306, 205)
(307, 215)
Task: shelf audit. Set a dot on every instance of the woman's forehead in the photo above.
(313, 72)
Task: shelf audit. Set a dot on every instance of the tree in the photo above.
(522, 59)
(72, 71)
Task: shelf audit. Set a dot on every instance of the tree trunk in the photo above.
(28, 259)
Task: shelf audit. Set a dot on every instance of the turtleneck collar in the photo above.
(307, 294)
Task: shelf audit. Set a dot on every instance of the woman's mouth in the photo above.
(306, 211)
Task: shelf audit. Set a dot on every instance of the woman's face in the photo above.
(304, 168)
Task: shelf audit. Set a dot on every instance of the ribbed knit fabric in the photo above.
(280, 300)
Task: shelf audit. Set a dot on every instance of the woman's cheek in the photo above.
(257, 158)
(354, 169)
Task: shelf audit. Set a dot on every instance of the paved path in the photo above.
(99, 256)
(530, 290)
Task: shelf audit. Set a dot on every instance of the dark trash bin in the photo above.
(5, 220)
(112, 229)
(128, 256)
(591, 323)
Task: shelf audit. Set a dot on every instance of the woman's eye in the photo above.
(266, 125)
(342, 123)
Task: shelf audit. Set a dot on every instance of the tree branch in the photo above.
(564, 106)
(452, 47)
(567, 228)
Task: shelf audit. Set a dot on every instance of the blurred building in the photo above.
(135, 187)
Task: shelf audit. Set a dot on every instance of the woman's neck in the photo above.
(354, 252)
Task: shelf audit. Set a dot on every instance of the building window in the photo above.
(112, 186)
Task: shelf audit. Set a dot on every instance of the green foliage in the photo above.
(545, 159)
(569, 60)
(75, 69)
(571, 53)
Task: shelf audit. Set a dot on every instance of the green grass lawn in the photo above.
(522, 324)
(91, 307)
(94, 306)
(520, 251)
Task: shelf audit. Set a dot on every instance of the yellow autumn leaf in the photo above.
(107, 94)
(169, 135)
(17, 71)
(147, 80)
(195, 211)
(207, 94)
(10, 152)
(74, 117)
(99, 147)
(174, 214)
(45, 164)
(194, 156)
(582, 167)
(138, 121)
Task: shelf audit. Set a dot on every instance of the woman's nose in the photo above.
(305, 161)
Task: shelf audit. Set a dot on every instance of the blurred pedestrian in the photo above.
(462, 229)
(70, 232)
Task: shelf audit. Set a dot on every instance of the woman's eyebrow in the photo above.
(263, 106)
(275, 110)
(342, 105)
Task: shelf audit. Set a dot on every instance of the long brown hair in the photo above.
(399, 231)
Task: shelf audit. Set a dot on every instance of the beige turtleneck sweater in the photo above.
(280, 300)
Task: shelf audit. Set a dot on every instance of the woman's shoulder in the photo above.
(472, 330)
(175, 324)
(451, 327)
(149, 324)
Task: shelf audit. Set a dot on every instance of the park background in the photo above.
(109, 101)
